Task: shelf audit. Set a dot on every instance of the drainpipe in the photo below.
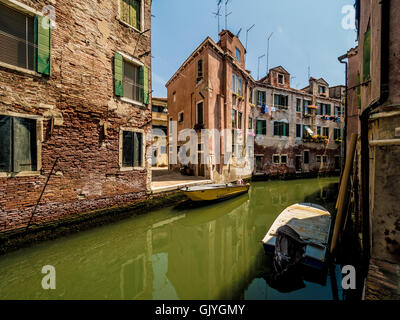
(364, 118)
(341, 58)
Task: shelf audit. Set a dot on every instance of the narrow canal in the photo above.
(209, 252)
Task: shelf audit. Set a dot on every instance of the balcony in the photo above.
(316, 139)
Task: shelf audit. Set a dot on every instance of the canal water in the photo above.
(184, 252)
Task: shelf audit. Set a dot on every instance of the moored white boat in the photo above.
(312, 223)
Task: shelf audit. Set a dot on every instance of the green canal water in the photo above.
(208, 252)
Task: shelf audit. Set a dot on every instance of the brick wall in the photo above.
(80, 93)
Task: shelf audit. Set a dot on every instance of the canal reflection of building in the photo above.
(210, 254)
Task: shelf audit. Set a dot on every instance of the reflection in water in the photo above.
(208, 252)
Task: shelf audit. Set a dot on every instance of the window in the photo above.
(238, 55)
(321, 89)
(318, 159)
(276, 159)
(325, 132)
(261, 98)
(240, 87)
(319, 130)
(337, 134)
(200, 113)
(325, 159)
(18, 144)
(281, 129)
(131, 80)
(306, 157)
(261, 127)
(324, 109)
(131, 12)
(234, 83)
(234, 119)
(158, 109)
(298, 105)
(25, 40)
(298, 130)
(250, 123)
(281, 79)
(367, 55)
(180, 117)
(132, 149)
(281, 101)
(284, 159)
(199, 70)
(240, 115)
(306, 103)
(338, 111)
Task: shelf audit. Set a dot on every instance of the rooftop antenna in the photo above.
(227, 14)
(218, 14)
(247, 33)
(259, 58)
(239, 32)
(309, 72)
(269, 38)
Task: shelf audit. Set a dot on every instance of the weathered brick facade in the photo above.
(281, 152)
(80, 115)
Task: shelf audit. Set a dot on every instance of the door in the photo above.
(299, 167)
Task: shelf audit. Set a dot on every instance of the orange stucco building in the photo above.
(211, 90)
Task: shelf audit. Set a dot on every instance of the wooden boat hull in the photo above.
(215, 192)
(312, 223)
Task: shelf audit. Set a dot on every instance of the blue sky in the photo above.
(306, 32)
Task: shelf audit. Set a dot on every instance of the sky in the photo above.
(305, 33)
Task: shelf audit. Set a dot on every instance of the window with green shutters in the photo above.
(325, 132)
(298, 130)
(130, 12)
(131, 81)
(261, 127)
(367, 56)
(281, 129)
(25, 40)
(132, 149)
(18, 144)
(298, 105)
(337, 134)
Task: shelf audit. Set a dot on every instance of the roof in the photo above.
(215, 46)
(280, 69)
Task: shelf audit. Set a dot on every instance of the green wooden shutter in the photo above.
(25, 155)
(42, 40)
(367, 56)
(5, 144)
(142, 84)
(119, 74)
(137, 149)
(124, 10)
(359, 91)
(127, 149)
(146, 85)
(134, 11)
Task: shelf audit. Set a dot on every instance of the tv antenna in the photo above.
(227, 14)
(218, 14)
(259, 58)
(247, 33)
(269, 38)
(239, 32)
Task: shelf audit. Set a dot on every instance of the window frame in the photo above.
(39, 142)
(121, 146)
(287, 159)
(237, 50)
(283, 78)
(142, 19)
(261, 134)
(138, 63)
(179, 117)
(276, 156)
(197, 112)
